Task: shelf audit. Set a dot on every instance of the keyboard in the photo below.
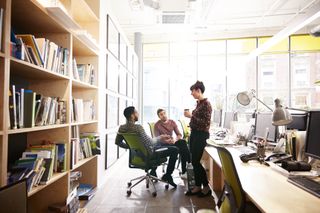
(306, 183)
(245, 150)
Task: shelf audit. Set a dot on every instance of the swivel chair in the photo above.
(232, 199)
(140, 158)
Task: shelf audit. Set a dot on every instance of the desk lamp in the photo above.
(280, 117)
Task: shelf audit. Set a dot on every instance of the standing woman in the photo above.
(199, 124)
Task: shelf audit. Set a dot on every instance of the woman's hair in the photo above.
(198, 85)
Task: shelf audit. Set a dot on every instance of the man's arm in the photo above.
(176, 130)
(120, 142)
(156, 130)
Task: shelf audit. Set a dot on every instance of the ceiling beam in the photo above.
(296, 24)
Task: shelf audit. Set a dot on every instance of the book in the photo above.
(29, 108)
(1, 26)
(48, 171)
(31, 42)
(61, 158)
(85, 191)
(13, 108)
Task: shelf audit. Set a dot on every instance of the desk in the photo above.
(266, 188)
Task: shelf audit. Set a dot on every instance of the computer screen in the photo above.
(264, 121)
(13, 198)
(228, 117)
(299, 122)
(217, 114)
(313, 135)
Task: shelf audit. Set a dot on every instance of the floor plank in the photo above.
(112, 197)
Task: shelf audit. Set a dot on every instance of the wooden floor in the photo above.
(112, 197)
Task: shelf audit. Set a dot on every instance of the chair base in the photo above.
(149, 181)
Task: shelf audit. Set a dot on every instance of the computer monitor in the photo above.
(313, 135)
(299, 122)
(13, 197)
(264, 121)
(228, 117)
(217, 114)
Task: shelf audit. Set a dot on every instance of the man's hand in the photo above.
(167, 139)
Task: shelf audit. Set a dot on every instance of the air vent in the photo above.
(173, 17)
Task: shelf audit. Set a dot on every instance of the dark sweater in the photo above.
(201, 116)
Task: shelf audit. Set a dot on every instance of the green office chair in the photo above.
(151, 125)
(141, 159)
(232, 199)
(186, 130)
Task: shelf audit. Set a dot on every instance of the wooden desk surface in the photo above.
(268, 189)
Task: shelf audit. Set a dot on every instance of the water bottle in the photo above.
(190, 176)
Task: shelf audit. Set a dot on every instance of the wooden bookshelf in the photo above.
(82, 162)
(37, 128)
(28, 70)
(82, 85)
(84, 123)
(55, 177)
(30, 17)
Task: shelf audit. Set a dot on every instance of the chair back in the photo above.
(185, 129)
(138, 155)
(151, 125)
(235, 202)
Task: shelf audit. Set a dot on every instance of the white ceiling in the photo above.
(210, 18)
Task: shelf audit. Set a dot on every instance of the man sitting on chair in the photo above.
(166, 126)
(132, 115)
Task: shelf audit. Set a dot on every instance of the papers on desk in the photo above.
(220, 142)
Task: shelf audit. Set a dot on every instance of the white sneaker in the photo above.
(184, 176)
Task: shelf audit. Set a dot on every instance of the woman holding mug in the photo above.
(199, 124)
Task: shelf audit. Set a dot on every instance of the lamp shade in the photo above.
(281, 116)
(244, 98)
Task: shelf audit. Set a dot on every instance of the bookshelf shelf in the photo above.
(37, 128)
(82, 162)
(28, 70)
(82, 85)
(1, 132)
(40, 19)
(2, 55)
(82, 12)
(84, 46)
(84, 123)
(54, 178)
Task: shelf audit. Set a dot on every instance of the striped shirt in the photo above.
(131, 127)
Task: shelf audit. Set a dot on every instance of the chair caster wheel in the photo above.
(128, 193)
(154, 194)
(129, 184)
(167, 186)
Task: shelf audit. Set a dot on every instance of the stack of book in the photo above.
(85, 191)
(83, 72)
(82, 110)
(28, 109)
(83, 145)
(41, 52)
(38, 163)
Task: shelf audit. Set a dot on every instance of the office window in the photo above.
(241, 76)
(305, 70)
(182, 75)
(155, 83)
(273, 75)
(212, 71)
